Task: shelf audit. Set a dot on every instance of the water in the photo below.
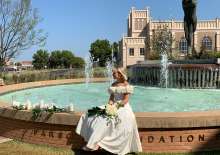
(88, 69)
(164, 70)
(109, 67)
(144, 99)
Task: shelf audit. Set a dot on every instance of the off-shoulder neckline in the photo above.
(122, 86)
(121, 89)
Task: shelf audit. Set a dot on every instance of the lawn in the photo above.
(20, 148)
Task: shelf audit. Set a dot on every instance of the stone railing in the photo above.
(202, 24)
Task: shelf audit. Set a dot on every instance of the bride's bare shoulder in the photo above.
(114, 84)
(126, 83)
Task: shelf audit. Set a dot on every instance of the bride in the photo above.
(118, 139)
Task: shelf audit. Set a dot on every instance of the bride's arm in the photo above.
(111, 99)
(125, 98)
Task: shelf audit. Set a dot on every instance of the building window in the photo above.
(141, 51)
(131, 51)
(183, 45)
(207, 43)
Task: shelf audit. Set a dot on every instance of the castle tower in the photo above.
(137, 22)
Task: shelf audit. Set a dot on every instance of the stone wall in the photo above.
(167, 132)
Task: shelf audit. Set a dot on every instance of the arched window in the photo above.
(207, 43)
(183, 45)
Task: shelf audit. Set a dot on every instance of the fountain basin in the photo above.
(159, 131)
(144, 99)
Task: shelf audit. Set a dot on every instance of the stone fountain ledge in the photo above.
(14, 87)
(147, 120)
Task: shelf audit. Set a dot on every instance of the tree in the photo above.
(40, 59)
(18, 32)
(55, 60)
(18, 64)
(162, 41)
(64, 59)
(78, 62)
(101, 50)
(115, 50)
(203, 54)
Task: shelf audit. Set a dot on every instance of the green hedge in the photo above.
(41, 75)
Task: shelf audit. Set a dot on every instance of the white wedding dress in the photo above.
(120, 138)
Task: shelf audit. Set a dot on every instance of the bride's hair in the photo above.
(122, 73)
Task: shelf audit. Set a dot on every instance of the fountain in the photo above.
(88, 69)
(108, 68)
(108, 71)
(164, 71)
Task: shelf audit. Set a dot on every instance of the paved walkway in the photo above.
(4, 139)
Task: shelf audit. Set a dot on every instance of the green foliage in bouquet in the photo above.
(96, 111)
(109, 112)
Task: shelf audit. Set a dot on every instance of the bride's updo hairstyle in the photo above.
(122, 74)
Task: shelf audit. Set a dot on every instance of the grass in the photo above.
(20, 148)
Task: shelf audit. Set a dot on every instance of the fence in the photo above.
(179, 76)
(40, 75)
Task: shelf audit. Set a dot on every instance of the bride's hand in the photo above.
(110, 102)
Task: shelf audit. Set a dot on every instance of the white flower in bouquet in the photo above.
(111, 109)
(119, 104)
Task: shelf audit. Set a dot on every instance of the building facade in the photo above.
(136, 47)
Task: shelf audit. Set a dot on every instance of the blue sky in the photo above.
(75, 24)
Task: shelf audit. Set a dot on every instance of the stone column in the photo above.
(124, 53)
(149, 49)
(132, 21)
(173, 43)
(217, 41)
(195, 41)
(173, 37)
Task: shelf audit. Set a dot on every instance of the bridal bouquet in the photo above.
(109, 112)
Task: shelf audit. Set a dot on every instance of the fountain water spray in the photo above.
(88, 69)
(109, 67)
(164, 70)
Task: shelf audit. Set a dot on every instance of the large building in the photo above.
(136, 45)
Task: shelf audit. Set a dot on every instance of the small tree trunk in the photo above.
(2, 63)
